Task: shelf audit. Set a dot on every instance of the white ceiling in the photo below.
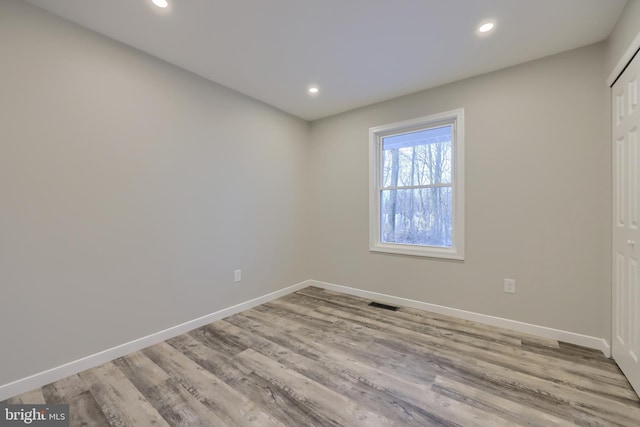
(357, 51)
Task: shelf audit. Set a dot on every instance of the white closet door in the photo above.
(626, 226)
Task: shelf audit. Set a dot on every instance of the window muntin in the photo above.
(417, 186)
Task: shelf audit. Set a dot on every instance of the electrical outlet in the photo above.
(237, 275)
(510, 286)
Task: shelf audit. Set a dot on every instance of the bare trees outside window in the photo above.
(417, 187)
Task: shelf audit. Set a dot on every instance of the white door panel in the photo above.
(626, 224)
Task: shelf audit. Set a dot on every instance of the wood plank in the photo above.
(312, 394)
(224, 343)
(279, 402)
(391, 395)
(467, 362)
(321, 358)
(119, 400)
(85, 411)
(493, 404)
(449, 324)
(414, 398)
(514, 357)
(83, 408)
(32, 397)
(65, 390)
(232, 407)
(173, 402)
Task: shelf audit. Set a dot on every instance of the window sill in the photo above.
(421, 251)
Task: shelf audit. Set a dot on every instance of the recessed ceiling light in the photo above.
(486, 27)
(313, 90)
(160, 3)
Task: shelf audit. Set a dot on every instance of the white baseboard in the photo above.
(541, 331)
(43, 378)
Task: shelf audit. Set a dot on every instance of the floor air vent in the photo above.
(384, 306)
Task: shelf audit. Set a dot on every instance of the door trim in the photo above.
(627, 56)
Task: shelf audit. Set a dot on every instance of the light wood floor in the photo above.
(320, 358)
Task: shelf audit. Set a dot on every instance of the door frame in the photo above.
(624, 60)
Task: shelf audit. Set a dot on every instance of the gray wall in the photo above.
(130, 190)
(626, 29)
(537, 196)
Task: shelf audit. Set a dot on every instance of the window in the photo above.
(417, 186)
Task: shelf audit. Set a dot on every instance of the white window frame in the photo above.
(376, 135)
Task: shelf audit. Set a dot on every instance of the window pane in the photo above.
(417, 158)
(417, 216)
